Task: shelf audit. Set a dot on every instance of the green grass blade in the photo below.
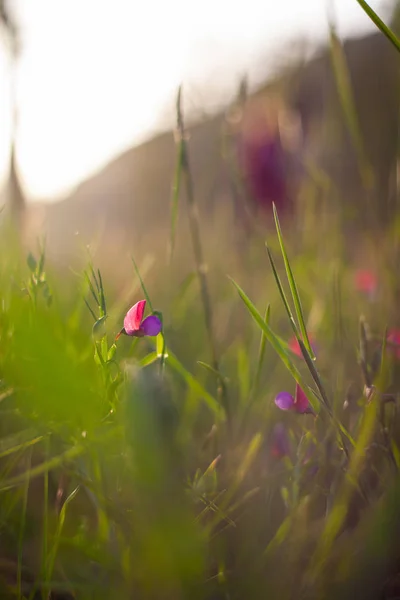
(380, 24)
(173, 362)
(293, 287)
(276, 344)
(261, 352)
(346, 97)
(175, 198)
(146, 295)
(282, 293)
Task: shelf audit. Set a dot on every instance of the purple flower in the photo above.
(299, 403)
(280, 441)
(135, 325)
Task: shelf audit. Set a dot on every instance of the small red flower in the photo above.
(294, 345)
(366, 282)
(135, 325)
(393, 339)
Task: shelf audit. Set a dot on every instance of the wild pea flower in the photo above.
(280, 442)
(299, 403)
(366, 282)
(294, 345)
(393, 346)
(135, 325)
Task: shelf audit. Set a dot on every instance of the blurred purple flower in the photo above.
(263, 160)
(299, 403)
(280, 441)
(135, 325)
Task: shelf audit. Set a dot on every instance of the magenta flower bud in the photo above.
(299, 403)
(366, 282)
(135, 325)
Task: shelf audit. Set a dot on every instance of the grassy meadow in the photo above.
(249, 450)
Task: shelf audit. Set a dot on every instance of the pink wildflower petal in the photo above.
(151, 325)
(294, 345)
(366, 281)
(133, 317)
(302, 404)
(394, 342)
(284, 401)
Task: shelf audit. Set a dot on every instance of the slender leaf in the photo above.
(380, 24)
(146, 295)
(276, 344)
(293, 287)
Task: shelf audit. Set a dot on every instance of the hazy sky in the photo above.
(96, 76)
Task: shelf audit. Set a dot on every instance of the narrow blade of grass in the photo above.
(282, 293)
(173, 362)
(276, 344)
(293, 287)
(345, 91)
(261, 351)
(175, 198)
(146, 295)
(380, 24)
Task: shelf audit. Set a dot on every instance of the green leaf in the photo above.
(276, 344)
(293, 287)
(149, 359)
(282, 293)
(31, 261)
(146, 295)
(261, 352)
(380, 24)
(194, 385)
(175, 198)
(98, 329)
(111, 352)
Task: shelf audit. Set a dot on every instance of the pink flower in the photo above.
(366, 282)
(393, 346)
(135, 325)
(294, 345)
(299, 403)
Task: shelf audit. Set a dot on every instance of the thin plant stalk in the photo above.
(201, 268)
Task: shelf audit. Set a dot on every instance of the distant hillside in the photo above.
(131, 196)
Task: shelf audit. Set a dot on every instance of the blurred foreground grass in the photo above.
(122, 474)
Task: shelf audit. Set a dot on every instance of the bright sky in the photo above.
(97, 76)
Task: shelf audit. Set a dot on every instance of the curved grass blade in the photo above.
(276, 344)
(282, 293)
(194, 385)
(146, 295)
(293, 287)
(380, 24)
(261, 352)
(175, 198)
(346, 97)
